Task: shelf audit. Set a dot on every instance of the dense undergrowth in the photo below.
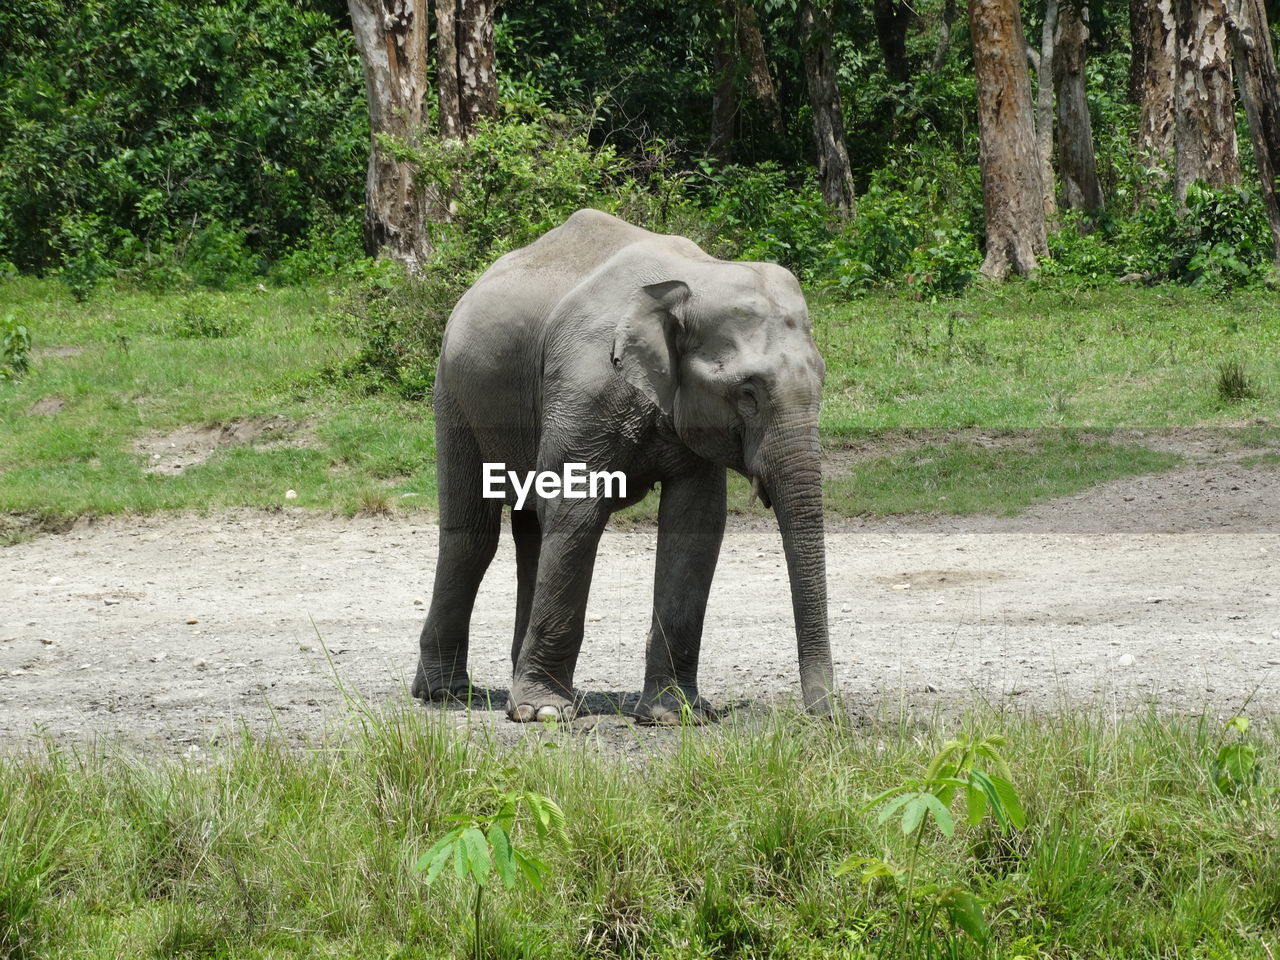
(715, 842)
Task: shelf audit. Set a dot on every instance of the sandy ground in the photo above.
(175, 631)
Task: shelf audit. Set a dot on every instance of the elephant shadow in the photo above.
(623, 704)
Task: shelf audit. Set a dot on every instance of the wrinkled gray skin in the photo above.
(605, 344)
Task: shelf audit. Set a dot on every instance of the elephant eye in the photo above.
(748, 400)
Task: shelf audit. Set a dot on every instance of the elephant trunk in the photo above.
(791, 465)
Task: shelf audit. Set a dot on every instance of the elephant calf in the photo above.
(606, 345)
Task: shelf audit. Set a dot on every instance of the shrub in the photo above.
(15, 347)
(912, 230)
(201, 317)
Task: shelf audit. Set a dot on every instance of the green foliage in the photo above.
(136, 132)
(1220, 242)
(201, 317)
(15, 346)
(914, 231)
(1235, 766)
(755, 213)
(959, 768)
(708, 842)
(398, 323)
(484, 844)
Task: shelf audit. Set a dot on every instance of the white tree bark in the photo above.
(1204, 106)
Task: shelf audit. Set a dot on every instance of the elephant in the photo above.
(604, 344)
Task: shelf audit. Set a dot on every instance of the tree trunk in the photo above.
(477, 78)
(1011, 192)
(834, 170)
(751, 42)
(464, 65)
(724, 98)
(944, 36)
(1077, 165)
(447, 70)
(1152, 71)
(1043, 64)
(1259, 83)
(391, 37)
(1204, 109)
(892, 18)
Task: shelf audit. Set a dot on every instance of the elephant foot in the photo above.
(531, 702)
(673, 706)
(434, 686)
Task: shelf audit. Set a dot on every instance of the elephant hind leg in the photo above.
(469, 528)
(526, 531)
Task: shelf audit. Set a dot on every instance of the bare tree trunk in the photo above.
(1204, 108)
(724, 98)
(751, 42)
(1152, 71)
(1259, 84)
(834, 170)
(1011, 192)
(1077, 163)
(477, 77)
(391, 37)
(892, 18)
(1043, 64)
(447, 70)
(944, 36)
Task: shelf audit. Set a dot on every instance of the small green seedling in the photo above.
(482, 846)
(960, 767)
(1235, 768)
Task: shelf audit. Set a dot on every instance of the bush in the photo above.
(1220, 242)
(125, 122)
(398, 322)
(15, 347)
(913, 231)
(201, 317)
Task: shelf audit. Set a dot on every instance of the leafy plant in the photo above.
(959, 768)
(482, 846)
(1235, 766)
(202, 318)
(15, 347)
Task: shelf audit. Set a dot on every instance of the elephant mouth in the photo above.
(758, 490)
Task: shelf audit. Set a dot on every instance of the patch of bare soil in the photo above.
(47, 406)
(173, 452)
(175, 630)
(41, 353)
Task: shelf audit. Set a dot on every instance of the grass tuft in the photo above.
(1233, 383)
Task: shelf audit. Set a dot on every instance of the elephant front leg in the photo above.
(542, 688)
(691, 516)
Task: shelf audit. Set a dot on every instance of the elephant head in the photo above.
(726, 350)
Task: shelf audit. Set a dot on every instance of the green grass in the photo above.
(1012, 358)
(1018, 357)
(718, 842)
(961, 477)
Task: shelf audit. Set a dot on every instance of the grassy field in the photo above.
(113, 378)
(718, 842)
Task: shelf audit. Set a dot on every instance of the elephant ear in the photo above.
(646, 341)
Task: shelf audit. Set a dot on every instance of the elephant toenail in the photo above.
(548, 713)
(523, 713)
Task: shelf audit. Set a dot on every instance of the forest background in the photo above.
(165, 144)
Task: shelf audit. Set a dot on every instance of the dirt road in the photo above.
(174, 630)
